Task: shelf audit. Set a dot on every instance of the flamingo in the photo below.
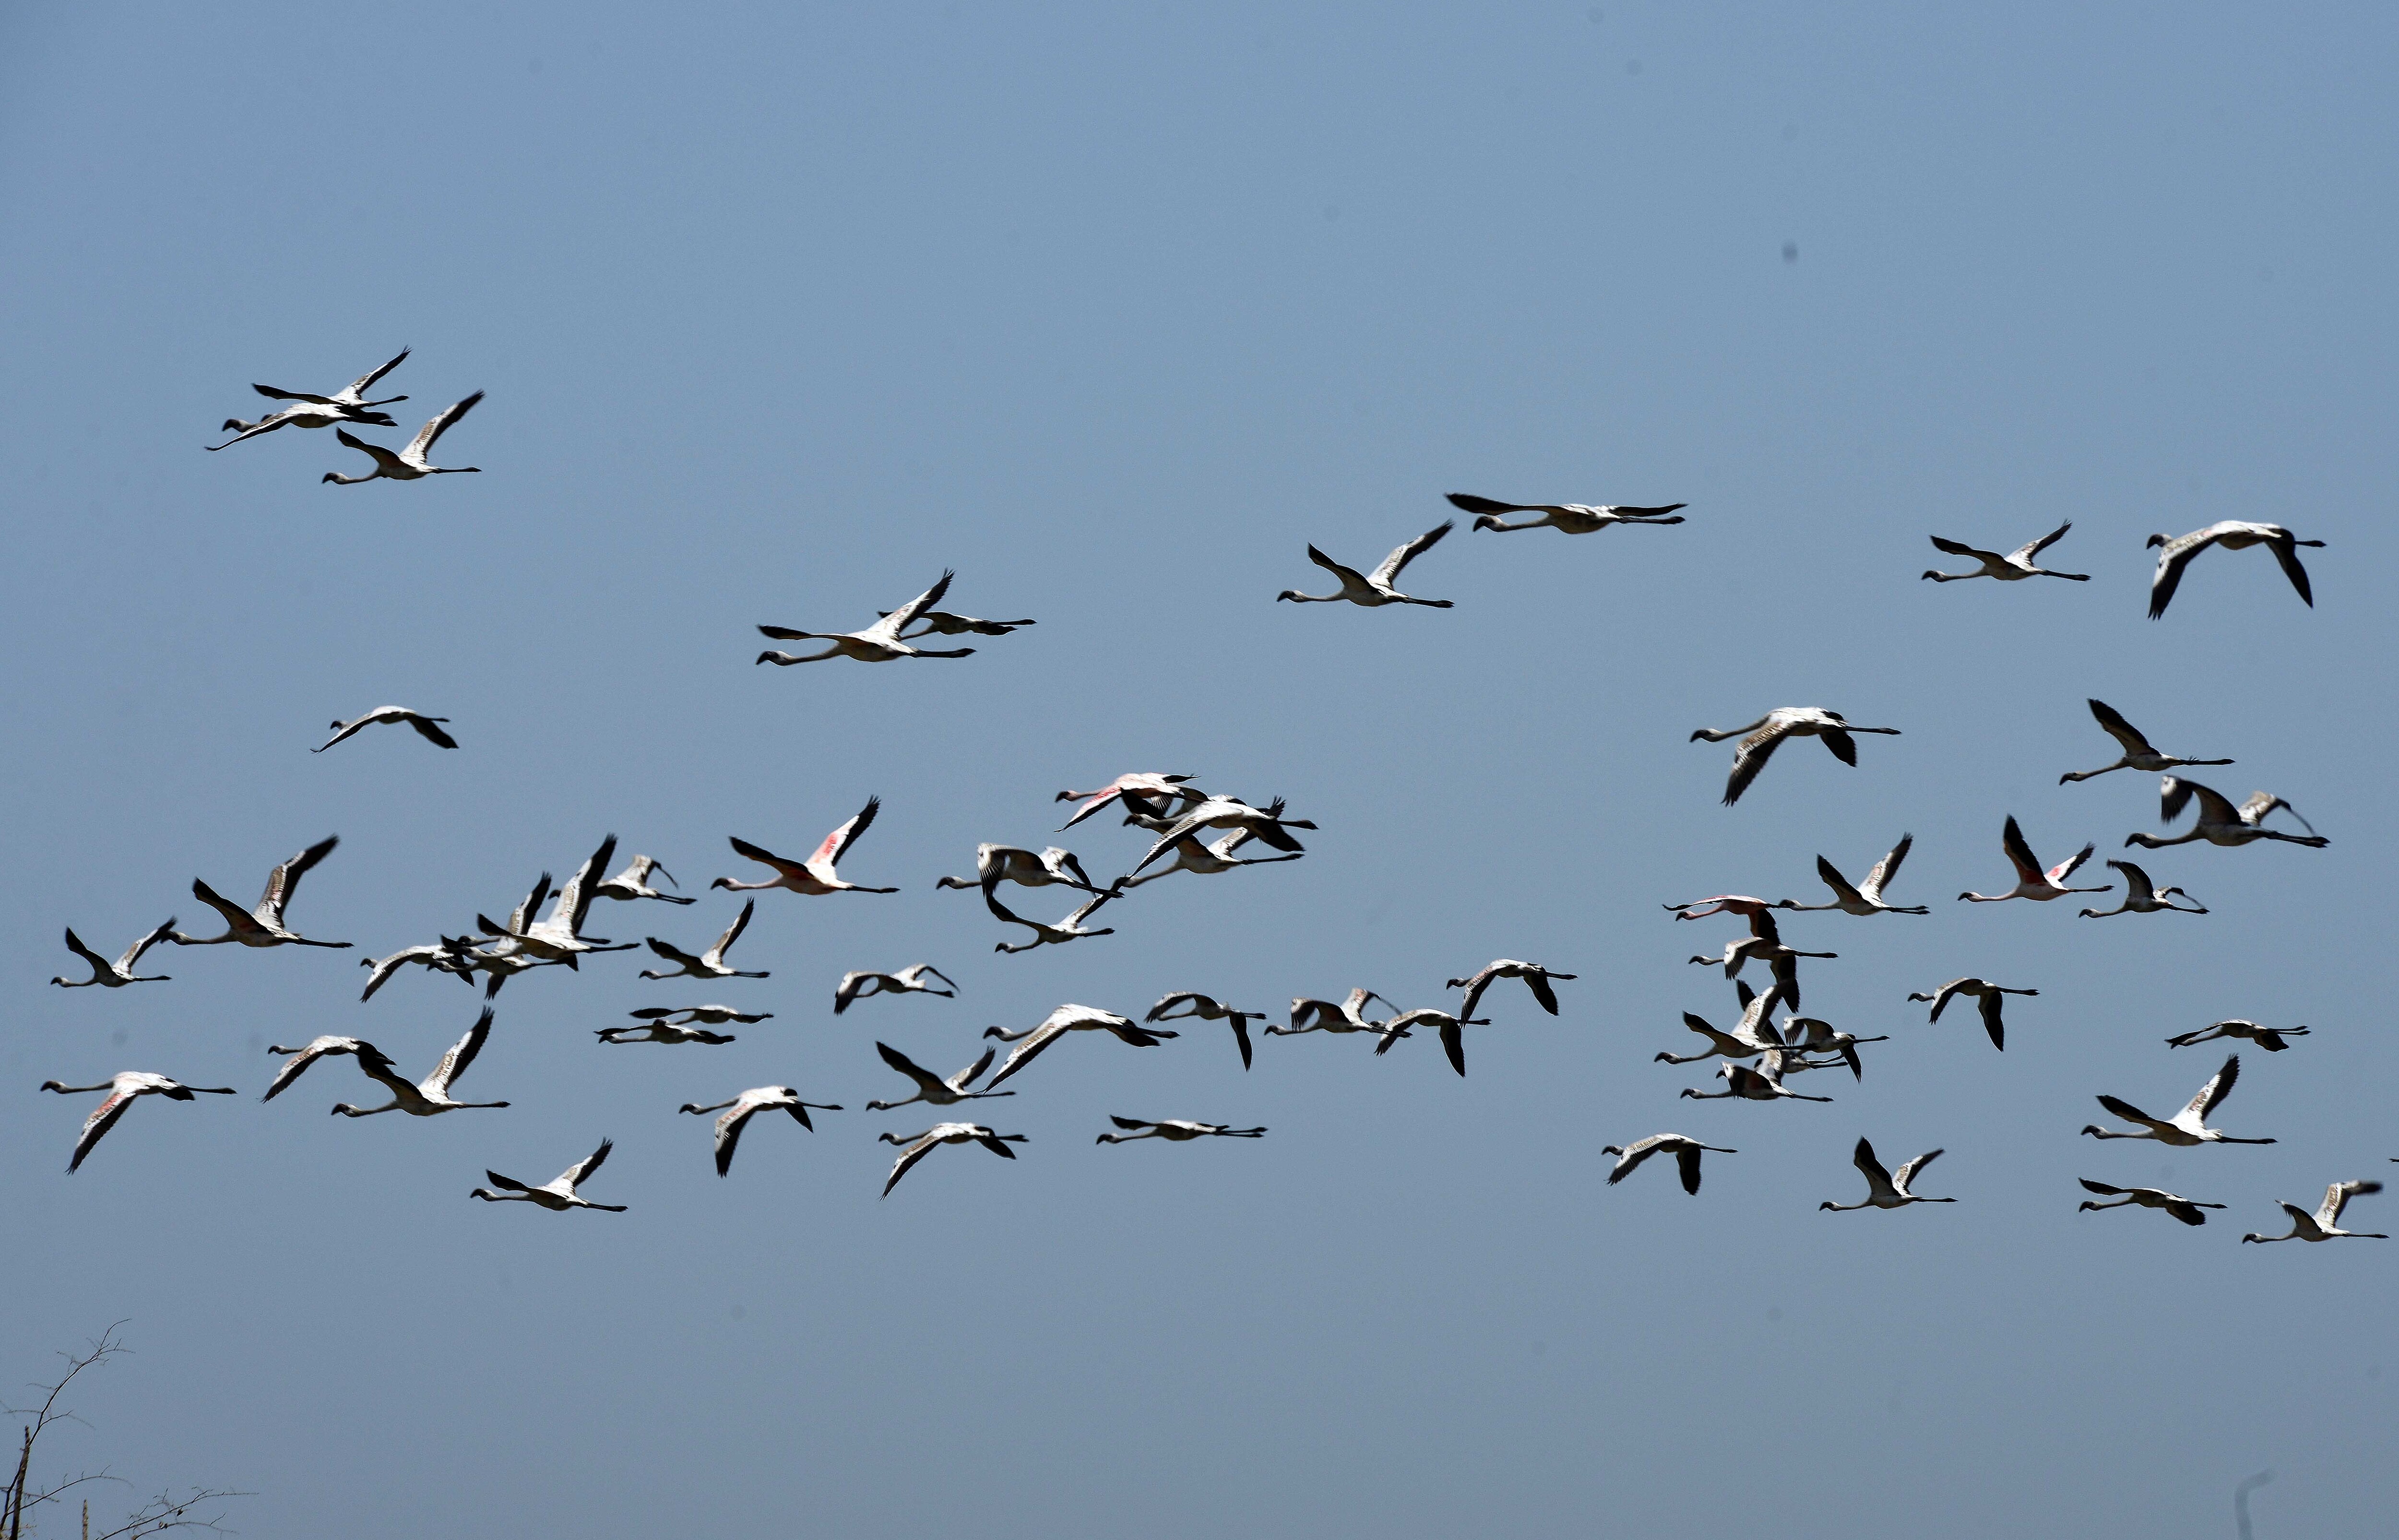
(122, 1088)
(816, 875)
(2324, 1223)
(2183, 1209)
(1763, 1084)
(1765, 943)
(931, 1088)
(409, 463)
(1267, 823)
(1768, 733)
(1537, 979)
(2137, 754)
(2032, 881)
(659, 1029)
(2141, 897)
(1685, 1150)
(634, 883)
(749, 1104)
(264, 927)
(2221, 823)
(920, 1145)
(118, 974)
(506, 957)
(1206, 1009)
(307, 1054)
(878, 643)
(447, 955)
(1309, 1014)
(1151, 781)
(1754, 1033)
(709, 964)
(1071, 929)
(942, 623)
(345, 405)
(556, 1195)
(1568, 517)
(1865, 899)
(2188, 1127)
(1157, 813)
(1211, 860)
(861, 986)
(559, 937)
(1176, 1128)
(1452, 1036)
(1375, 590)
(2233, 535)
(1057, 1024)
(429, 1096)
(424, 726)
(2268, 1038)
(2013, 567)
(1884, 1189)
(1987, 997)
(1728, 903)
(996, 864)
(1808, 1034)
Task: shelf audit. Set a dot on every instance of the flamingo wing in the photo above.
(1395, 563)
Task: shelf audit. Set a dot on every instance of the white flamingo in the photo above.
(1071, 929)
(1206, 1009)
(930, 1088)
(122, 1089)
(1176, 1128)
(1865, 900)
(447, 955)
(1267, 824)
(1057, 1024)
(634, 883)
(996, 864)
(1685, 1150)
(1374, 589)
(118, 974)
(1765, 943)
(2188, 1127)
(2268, 1038)
(1807, 1034)
(1154, 782)
(709, 964)
(1768, 733)
(559, 935)
(2233, 535)
(749, 1104)
(262, 926)
(1728, 903)
(2324, 1223)
(942, 623)
(409, 463)
(2183, 1209)
(2013, 567)
(556, 1195)
(920, 1145)
(1885, 1189)
(1537, 979)
(430, 1096)
(1211, 860)
(1988, 997)
(2142, 897)
(1752, 1036)
(878, 643)
(345, 405)
(1763, 1084)
(307, 1054)
(1309, 1014)
(2221, 823)
(1567, 518)
(2032, 881)
(864, 985)
(659, 1029)
(427, 728)
(816, 875)
(1452, 1029)
(2137, 753)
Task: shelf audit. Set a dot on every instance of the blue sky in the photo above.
(1113, 310)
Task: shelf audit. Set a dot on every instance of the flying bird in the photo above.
(1453, 1036)
(1135, 781)
(2013, 567)
(2142, 897)
(878, 643)
(2032, 882)
(1537, 979)
(1988, 998)
(2137, 753)
(2183, 1209)
(1752, 1036)
(659, 1029)
(709, 964)
(2233, 535)
(558, 1193)
(118, 974)
(817, 874)
(1374, 589)
(931, 1088)
(942, 623)
(996, 864)
(1071, 929)
(1308, 1015)
(2268, 1038)
(1765, 943)
(122, 1088)
(331, 1045)
(1206, 1009)
(1864, 900)
(1176, 1128)
(2188, 1127)
(1763, 1084)
(1568, 517)
(409, 463)
(1211, 860)
(345, 405)
(425, 726)
(1768, 733)
(1267, 824)
(634, 883)
(920, 1145)
(1885, 1189)
(1685, 1150)
(864, 985)
(2324, 1223)
(749, 1104)
(1032, 1040)
(2221, 823)
(431, 1095)
(447, 955)
(262, 926)
(558, 937)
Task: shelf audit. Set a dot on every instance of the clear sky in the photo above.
(784, 310)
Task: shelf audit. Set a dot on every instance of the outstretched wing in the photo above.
(836, 845)
(356, 389)
(2065, 869)
(1398, 561)
(99, 964)
(575, 898)
(1832, 878)
(1754, 750)
(2172, 559)
(2027, 552)
(890, 626)
(922, 1077)
(581, 1172)
(1959, 547)
(103, 1117)
(1907, 1173)
(916, 1152)
(732, 932)
(2101, 1188)
(284, 880)
(461, 1055)
(2118, 729)
(1687, 1158)
(422, 445)
(1886, 870)
(2219, 1086)
(320, 1047)
(2020, 854)
(1466, 502)
(2286, 552)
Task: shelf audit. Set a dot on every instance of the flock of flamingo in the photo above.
(1755, 1058)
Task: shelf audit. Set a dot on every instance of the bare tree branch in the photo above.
(199, 1509)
